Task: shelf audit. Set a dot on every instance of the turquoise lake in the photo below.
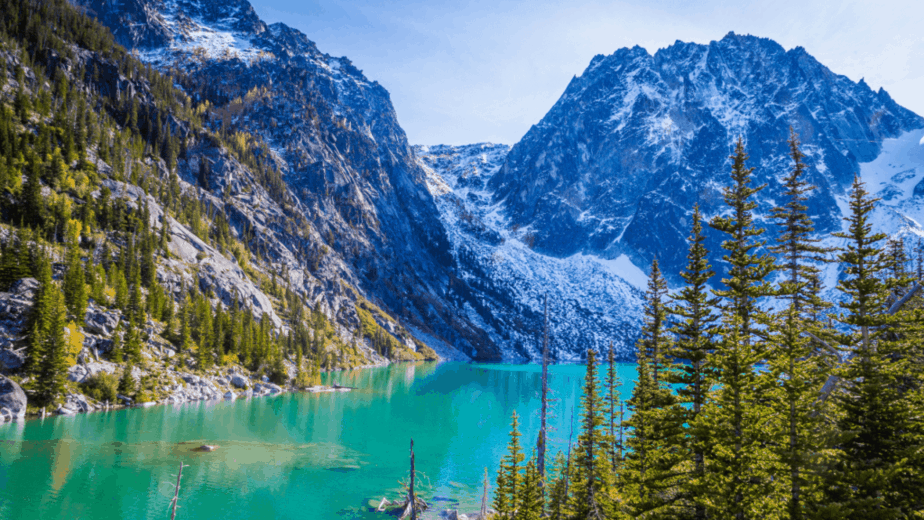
(299, 456)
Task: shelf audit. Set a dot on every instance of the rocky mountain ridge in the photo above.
(634, 142)
(334, 138)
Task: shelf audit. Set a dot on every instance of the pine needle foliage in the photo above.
(592, 493)
(693, 318)
(878, 474)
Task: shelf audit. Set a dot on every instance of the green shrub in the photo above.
(102, 386)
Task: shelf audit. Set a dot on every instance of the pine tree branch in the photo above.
(834, 380)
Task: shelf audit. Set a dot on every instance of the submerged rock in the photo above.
(266, 388)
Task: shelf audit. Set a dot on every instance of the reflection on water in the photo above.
(291, 456)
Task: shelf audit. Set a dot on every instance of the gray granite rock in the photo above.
(11, 359)
(239, 381)
(101, 322)
(12, 401)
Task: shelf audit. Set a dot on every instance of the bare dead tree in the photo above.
(483, 514)
(540, 443)
(412, 499)
(176, 493)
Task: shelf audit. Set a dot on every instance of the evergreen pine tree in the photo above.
(592, 493)
(53, 364)
(33, 204)
(127, 382)
(530, 503)
(799, 250)
(509, 484)
(878, 473)
(117, 354)
(649, 470)
(740, 467)
(38, 319)
(798, 372)
(693, 328)
(136, 299)
(75, 286)
(558, 495)
(117, 280)
(133, 341)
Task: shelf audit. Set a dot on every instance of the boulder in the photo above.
(80, 373)
(230, 395)
(12, 359)
(239, 381)
(16, 304)
(78, 403)
(25, 288)
(12, 401)
(101, 322)
(198, 389)
(266, 388)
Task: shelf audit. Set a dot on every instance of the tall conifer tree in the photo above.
(75, 286)
(878, 474)
(797, 369)
(739, 467)
(509, 484)
(591, 488)
(694, 327)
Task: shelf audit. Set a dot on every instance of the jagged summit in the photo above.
(634, 141)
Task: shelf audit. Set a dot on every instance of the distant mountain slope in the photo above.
(333, 136)
(634, 142)
(589, 305)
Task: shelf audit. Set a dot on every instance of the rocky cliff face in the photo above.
(333, 135)
(634, 142)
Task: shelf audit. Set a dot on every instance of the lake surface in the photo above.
(310, 456)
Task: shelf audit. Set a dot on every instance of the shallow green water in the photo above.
(311, 456)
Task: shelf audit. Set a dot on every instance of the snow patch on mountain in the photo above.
(592, 300)
(896, 177)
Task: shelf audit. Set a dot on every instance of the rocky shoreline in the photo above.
(186, 388)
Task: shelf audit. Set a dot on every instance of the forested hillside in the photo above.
(142, 251)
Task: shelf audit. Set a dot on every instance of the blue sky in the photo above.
(486, 70)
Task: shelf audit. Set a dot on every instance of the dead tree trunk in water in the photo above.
(483, 514)
(176, 493)
(540, 445)
(410, 496)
